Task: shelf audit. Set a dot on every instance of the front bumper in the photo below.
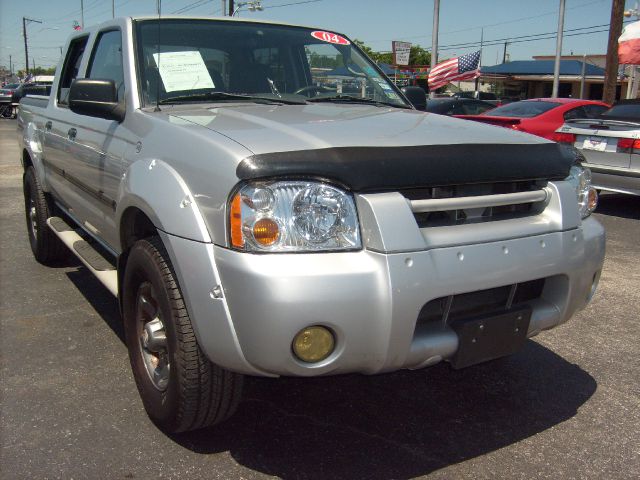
(370, 300)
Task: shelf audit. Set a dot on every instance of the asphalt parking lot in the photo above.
(567, 406)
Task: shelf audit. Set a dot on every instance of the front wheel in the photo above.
(180, 388)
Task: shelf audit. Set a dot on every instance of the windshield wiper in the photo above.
(352, 99)
(195, 97)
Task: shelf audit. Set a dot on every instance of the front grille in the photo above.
(464, 204)
(444, 310)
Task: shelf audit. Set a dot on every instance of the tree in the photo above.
(418, 55)
(37, 71)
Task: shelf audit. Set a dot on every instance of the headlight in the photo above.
(580, 178)
(293, 216)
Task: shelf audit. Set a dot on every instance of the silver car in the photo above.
(611, 145)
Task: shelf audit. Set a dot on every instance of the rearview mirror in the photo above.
(96, 98)
(416, 96)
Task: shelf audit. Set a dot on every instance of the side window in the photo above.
(474, 108)
(594, 111)
(575, 113)
(456, 109)
(106, 60)
(70, 69)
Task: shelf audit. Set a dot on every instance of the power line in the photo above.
(292, 3)
(191, 6)
(487, 44)
(499, 40)
(521, 19)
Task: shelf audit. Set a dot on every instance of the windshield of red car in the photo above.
(522, 109)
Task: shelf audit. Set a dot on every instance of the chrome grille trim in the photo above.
(479, 201)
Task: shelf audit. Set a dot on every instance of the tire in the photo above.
(45, 245)
(180, 388)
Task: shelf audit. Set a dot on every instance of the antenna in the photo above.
(158, 80)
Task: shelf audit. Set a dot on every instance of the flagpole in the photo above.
(556, 68)
(434, 38)
(477, 95)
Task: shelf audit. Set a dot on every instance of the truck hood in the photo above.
(278, 128)
(373, 148)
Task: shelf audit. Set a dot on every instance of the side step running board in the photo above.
(103, 270)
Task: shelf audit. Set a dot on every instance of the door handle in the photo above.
(48, 125)
(71, 134)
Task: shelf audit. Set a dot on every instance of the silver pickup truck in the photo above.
(263, 201)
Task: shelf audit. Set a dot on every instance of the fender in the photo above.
(32, 140)
(155, 188)
(159, 191)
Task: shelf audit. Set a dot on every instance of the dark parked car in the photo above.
(458, 106)
(30, 89)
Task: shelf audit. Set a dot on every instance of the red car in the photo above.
(540, 116)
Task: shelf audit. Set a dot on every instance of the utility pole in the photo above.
(556, 65)
(113, 8)
(504, 53)
(224, 7)
(10, 66)
(434, 37)
(26, 20)
(611, 67)
(231, 8)
(82, 14)
(477, 91)
(582, 75)
(632, 83)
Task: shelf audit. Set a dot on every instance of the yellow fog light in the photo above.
(313, 344)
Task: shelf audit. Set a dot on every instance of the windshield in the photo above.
(522, 109)
(261, 61)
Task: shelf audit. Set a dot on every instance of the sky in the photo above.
(376, 22)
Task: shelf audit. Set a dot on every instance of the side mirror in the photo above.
(96, 98)
(416, 96)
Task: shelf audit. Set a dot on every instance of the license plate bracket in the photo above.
(490, 336)
(595, 143)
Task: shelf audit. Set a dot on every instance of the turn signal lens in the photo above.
(266, 231)
(237, 240)
(592, 199)
(313, 344)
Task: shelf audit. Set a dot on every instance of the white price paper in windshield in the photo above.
(183, 71)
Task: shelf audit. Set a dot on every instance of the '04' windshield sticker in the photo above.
(183, 71)
(330, 37)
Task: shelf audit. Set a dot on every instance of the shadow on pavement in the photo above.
(619, 205)
(99, 298)
(398, 425)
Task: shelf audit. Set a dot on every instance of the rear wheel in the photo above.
(180, 388)
(45, 245)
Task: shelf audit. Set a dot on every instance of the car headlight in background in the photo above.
(293, 216)
(580, 178)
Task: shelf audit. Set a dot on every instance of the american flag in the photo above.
(464, 67)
